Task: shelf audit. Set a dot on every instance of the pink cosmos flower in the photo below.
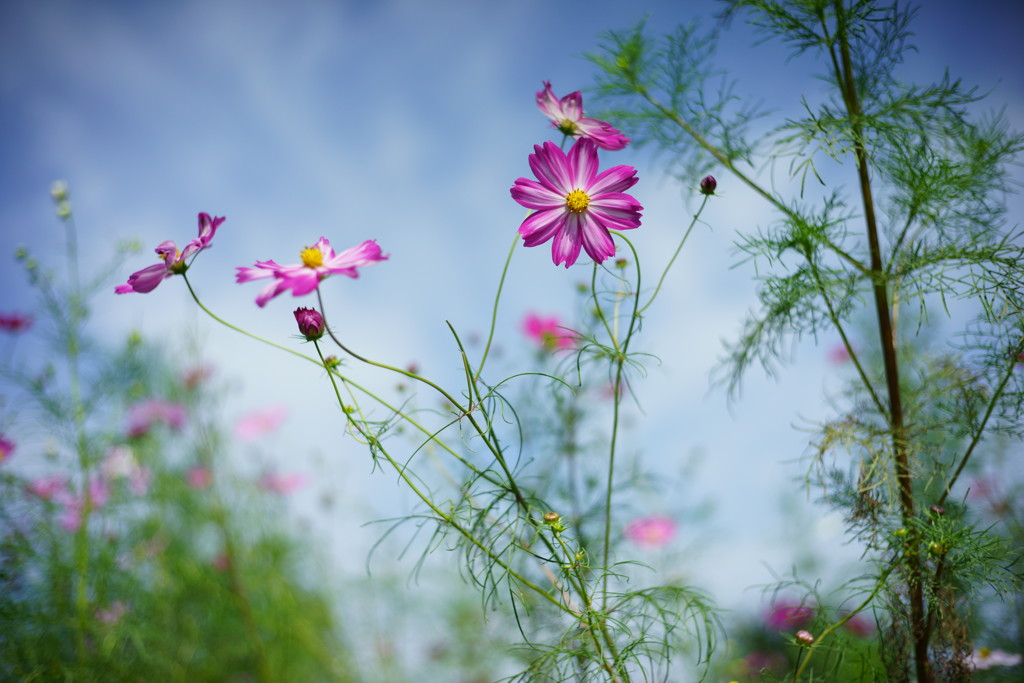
(786, 616)
(97, 493)
(147, 279)
(276, 482)
(261, 422)
(318, 262)
(196, 375)
(222, 562)
(549, 333)
(49, 487)
(837, 355)
(985, 658)
(199, 478)
(654, 532)
(566, 115)
(6, 448)
(120, 463)
(15, 322)
(143, 416)
(575, 205)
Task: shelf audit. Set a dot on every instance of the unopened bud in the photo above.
(708, 184)
(937, 510)
(551, 517)
(59, 191)
(311, 323)
(804, 637)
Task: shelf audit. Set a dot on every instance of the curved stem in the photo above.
(672, 260)
(494, 310)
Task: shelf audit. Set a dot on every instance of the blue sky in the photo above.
(408, 121)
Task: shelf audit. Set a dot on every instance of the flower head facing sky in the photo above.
(574, 205)
(173, 261)
(566, 115)
(318, 261)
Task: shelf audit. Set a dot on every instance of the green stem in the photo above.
(494, 310)
(672, 260)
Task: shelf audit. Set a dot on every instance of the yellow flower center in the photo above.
(577, 201)
(567, 127)
(985, 652)
(312, 257)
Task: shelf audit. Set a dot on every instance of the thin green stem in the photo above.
(494, 310)
(672, 260)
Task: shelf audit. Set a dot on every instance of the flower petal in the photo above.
(533, 195)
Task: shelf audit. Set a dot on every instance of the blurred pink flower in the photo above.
(277, 482)
(566, 115)
(196, 375)
(98, 492)
(222, 562)
(6, 448)
(837, 355)
(147, 279)
(142, 416)
(15, 322)
(260, 422)
(199, 478)
(49, 487)
(984, 658)
(755, 662)
(112, 613)
(548, 333)
(120, 463)
(318, 262)
(860, 626)
(653, 532)
(786, 616)
(574, 205)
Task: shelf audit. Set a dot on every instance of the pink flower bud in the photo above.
(708, 184)
(311, 323)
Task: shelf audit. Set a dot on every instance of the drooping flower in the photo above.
(143, 416)
(15, 322)
(147, 279)
(566, 115)
(277, 482)
(984, 658)
(654, 532)
(6, 448)
(575, 206)
(788, 615)
(260, 422)
(311, 323)
(318, 261)
(548, 332)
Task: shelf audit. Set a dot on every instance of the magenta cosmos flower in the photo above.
(147, 279)
(654, 532)
(548, 332)
(566, 115)
(15, 323)
(318, 261)
(575, 206)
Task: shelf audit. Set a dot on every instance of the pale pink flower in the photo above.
(173, 261)
(15, 323)
(786, 616)
(222, 562)
(575, 206)
(97, 493)
(120, 463)
(837, 355)
(113, 613)
(199, 478)
(654, 531)
(566, 115)
(49, 487)
(860, 626)
(548, 332)
(277, 482)
(984, 658)
(260, 422)
(143, 416)
(318, 262)
(6, 448)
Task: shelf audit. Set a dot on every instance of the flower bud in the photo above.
(804, 637)
(551, 517)
(708, 184)
(937, 510)
(311, 323)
